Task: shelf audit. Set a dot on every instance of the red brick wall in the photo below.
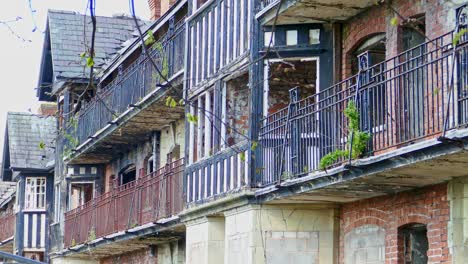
(155, 7)
(137, 257)
(377, 20)
(47, 109)
(427, 206)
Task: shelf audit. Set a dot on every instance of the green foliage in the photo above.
(254, 145)
(89, 62)
(357, 140)
(42, 145)
(91, 234)
(83, 55)
(458, 35)
(150, 40)
(359, 143)
(394, 21)
(332, 157)
(242, 156)
(286, 175)
(72, 141)
(192, 118)
(171, 102)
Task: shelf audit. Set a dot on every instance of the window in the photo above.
(314, 36)
(128, 174)
(202, 131)
(150, 165)
(35, 193)
(81, 193)
(412, 244)
(291, 37)
(368, 60)
(269, 36)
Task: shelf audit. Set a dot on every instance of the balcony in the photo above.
(416, 102)
(132, 106)
(7, 229)
(310, 11)
(133, 206)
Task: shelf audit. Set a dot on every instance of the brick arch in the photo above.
(413, 219)
(366, 221)
(349, 54)
(358, 29)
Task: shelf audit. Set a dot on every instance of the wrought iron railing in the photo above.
(225, 172)
(148, 199)
(400, 101)
(132, 85)
(7, 225)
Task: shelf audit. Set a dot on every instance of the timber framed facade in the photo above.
(272, 131)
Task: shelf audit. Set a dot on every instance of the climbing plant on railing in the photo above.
(71, 138)
(357, 139)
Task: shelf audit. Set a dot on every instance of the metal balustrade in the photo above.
(148, 199)
(408, 98)
(7, 225)
(225, 172)
(132, 85)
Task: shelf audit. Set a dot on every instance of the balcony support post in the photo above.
(256, 104)
(294, 131)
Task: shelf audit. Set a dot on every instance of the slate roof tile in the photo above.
(67, 40)
(25, 132)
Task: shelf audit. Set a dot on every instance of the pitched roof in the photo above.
(25, 132)
(67, 41)
(7, 191)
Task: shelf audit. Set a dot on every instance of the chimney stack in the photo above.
(47, 109)
(159, 7)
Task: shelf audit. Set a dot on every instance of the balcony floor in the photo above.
(131, 240)
(313, 11)
(132, 127)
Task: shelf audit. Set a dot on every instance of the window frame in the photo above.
(32, 198)
(57, 196)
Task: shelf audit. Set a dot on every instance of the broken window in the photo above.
(218, 118)
(413, 244)
(80, 194)
(150, 168)
(128, 174)
(283, 75)
(202, 120)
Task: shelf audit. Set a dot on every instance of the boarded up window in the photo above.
(365, 245)
(292, 247)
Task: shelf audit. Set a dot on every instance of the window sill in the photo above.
(34, 210)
